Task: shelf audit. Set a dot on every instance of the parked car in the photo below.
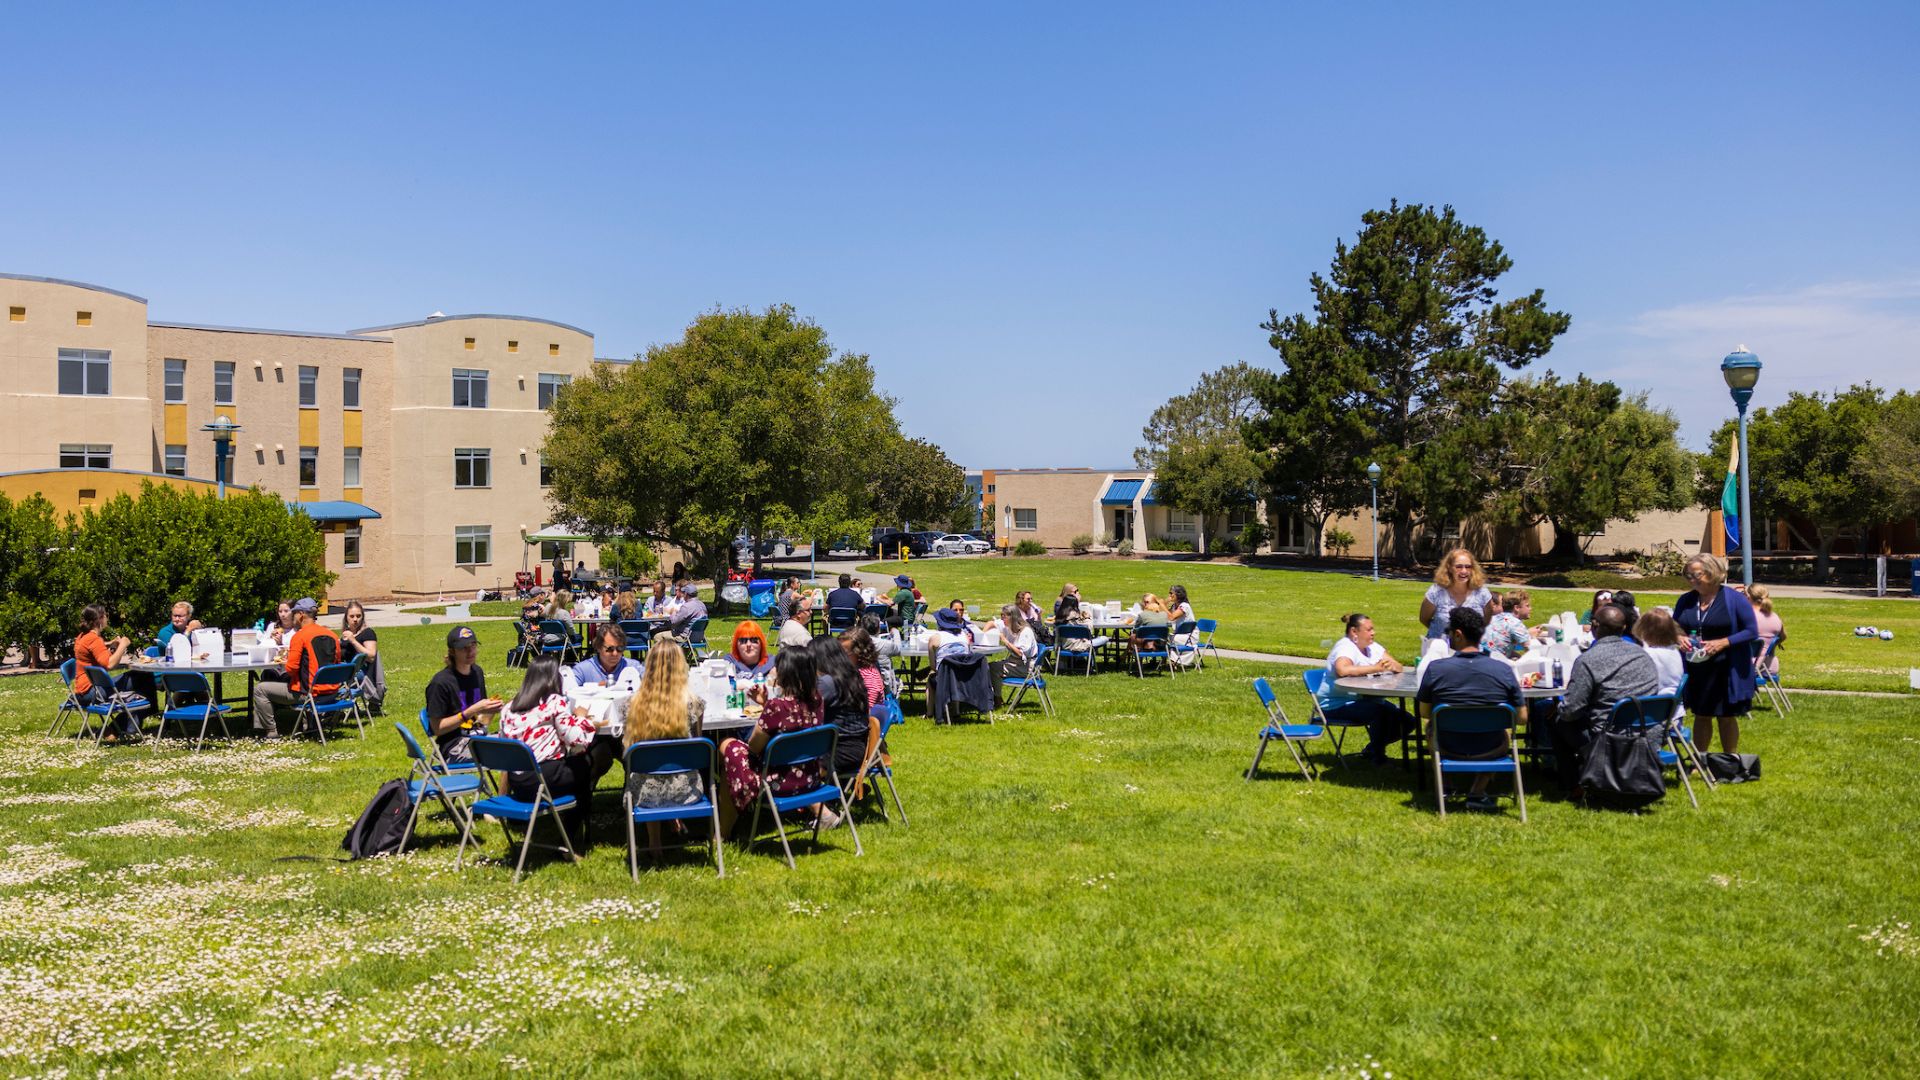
(960, 544)
(890, 541)
(744, 545)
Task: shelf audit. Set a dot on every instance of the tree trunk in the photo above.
(1566, 544)
(1823, 555)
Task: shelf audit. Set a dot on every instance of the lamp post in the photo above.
(1373, 481)
(1741, 369)
(223, 430)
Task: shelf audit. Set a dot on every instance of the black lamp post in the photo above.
(1741, 369)
(223, 430)
(1373, 481)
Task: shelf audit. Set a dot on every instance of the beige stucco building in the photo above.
(415, 446)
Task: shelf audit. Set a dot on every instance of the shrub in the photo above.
(1081, 544)
(1606, 579)
(1666, 562)
(1161, 543)
(1030, 547)
(1253, 536)
(1124, 548)
(1101, 539)
(1339, 541)
(635, 558)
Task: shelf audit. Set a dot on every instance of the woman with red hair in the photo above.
(748, 657)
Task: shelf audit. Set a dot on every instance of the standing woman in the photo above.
(1457, 582)
(358, 639)
(1721, 634)
(1768, 624)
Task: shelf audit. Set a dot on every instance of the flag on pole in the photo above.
(1730, 499)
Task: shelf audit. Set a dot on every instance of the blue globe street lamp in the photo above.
(1741, 369)
(1373, 481)
(222, 429)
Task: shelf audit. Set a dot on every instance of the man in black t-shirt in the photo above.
(845, 597)
(457, 701)
(1472, 677)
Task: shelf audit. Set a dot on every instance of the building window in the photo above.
(86, 371)
(553, 349)
(16, 314)
(472, 545)
(350, 467)
(469, 389)
(309, 466)
(91, 456)
(549, 386)
(469, 344)
(556, 549)
(350, 547)
(309, 387)
(1026, 520)
(223, 382)
(350, 388)
(175, 462)
(546, 472)
(1179, 523)
(83, 318)
(472, 468)
(176, 381)
(513, 346)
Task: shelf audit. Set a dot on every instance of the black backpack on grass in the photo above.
(381, 824)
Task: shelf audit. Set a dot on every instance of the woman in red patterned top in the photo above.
(798, 707)
(562, 739)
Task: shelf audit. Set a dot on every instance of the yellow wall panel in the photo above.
(349, 429)
(309, 495)
(175, 425)
(309, 427)
(354, 495)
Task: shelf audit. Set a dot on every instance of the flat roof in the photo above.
(457, 318)
(258, 330)
(1075, 469)
(75, 284)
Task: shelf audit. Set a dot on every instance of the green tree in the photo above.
(917, 483)
(1810, 458)
(1890, 461)
(1310, 445)
(1197, 450)
(748, 424)
(1416, 340)
(1580, 454)
(35, 577)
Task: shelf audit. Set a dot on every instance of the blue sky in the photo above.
(1040, 221)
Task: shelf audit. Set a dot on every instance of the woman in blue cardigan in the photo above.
(1720, 636)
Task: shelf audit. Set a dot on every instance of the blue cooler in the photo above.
(761, 596)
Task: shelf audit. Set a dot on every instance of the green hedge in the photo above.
(234, 560)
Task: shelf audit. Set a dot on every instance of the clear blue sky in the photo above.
(1039, 220)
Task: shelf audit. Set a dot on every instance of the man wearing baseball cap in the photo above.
(457, 701)
(312, 647)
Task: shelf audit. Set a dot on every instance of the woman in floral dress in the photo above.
(798, 707)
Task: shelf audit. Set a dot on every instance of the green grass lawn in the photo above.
(1298, 612)
(1095, 895)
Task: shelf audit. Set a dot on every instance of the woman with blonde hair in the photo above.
(658, 712)
(624, 607)
(1769, 625)
(1719, 646)
(1457, 582)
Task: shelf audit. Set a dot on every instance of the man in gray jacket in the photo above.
(1613, 670)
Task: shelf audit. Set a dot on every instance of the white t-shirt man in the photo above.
(1331, 696)
(795, 635)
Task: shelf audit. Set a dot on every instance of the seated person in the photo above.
(1659, 635)
(311, 647)
(748, 658)
(563, 741)
(1031, 612)
(1471, 677)
(92, 648)
(1600, 597)
(1624, 600)
(560, 608)
(624, 607)
(658, 712)
(797, 632)
(1067, 608)
(1507, 634)
(609, 665)
(1153, 612)
(357, 639)
(904, 602)
(1613, 670)
(886, 645)
(844, 703)
(280, 629)
(951, 635)
(659, 605)
(1357, 654)
(182, 622)
(865, 656)
(846, 597)
(1021, 644)
(457, 701)
(785, 604)
(797, 707)
(691, 608)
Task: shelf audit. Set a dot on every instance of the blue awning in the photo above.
(335, 510)
(1121, 493)
(1153, 496)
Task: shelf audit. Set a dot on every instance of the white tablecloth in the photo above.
(606, 706)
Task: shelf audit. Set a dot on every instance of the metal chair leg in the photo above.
(1258, 753)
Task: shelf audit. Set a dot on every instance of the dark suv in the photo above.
(889, 542)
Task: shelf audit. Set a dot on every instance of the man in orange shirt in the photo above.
(313, 647)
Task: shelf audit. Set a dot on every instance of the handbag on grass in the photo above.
(1622, 769)
(1732, 768)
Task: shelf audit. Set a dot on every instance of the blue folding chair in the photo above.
(664, 758)
(810, 746)
(119, 704)
(842, 618)
(1769, 680)
(875, 767)
(1033, 681)
(1150, 643)
(1474, 720)
(879, 611)
(697, 640)
(556, 639)
(151, 652)
(70, 704)
(1316, 680)
(1204, 629)
(1066, 632)
(514, 756)
(1189, 630)
(1640, 714)
(1295, 736)
(312, 707)
(189, 698)
(426, 780)
(1680, 735)
(436, 759)
(639, 637)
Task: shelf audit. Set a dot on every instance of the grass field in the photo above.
(1095, 895)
